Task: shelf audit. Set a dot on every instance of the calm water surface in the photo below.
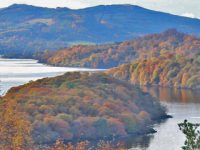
(181, 104)
(14, 72)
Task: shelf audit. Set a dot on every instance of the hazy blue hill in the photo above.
(25, 29)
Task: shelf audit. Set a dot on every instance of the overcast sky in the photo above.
(190, 8)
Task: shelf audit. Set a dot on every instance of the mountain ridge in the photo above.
(92, 7)
(54, 28)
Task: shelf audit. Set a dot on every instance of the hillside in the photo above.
(167, 70)
(84, 106)
(44, 28)
(112, 55)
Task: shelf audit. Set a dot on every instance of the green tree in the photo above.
(192, 134)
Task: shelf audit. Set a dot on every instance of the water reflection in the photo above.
(173, 95)
(181, 104)
(140, 143)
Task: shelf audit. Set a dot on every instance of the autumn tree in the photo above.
(15, 129)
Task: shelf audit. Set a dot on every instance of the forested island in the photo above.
(79, 106)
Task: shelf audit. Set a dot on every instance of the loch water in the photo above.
(15, 72)
(181, 104)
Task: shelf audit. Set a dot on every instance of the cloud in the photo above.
(46, 3)
(190, 15)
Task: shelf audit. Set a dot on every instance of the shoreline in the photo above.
(104, 70)
(146, 130)
(116, 139)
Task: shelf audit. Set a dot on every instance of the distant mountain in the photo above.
(112, 55)
(26, 29)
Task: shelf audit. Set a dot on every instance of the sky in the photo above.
(189, 8)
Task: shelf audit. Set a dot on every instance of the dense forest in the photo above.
(168, 59)
(112, 55)
(166, 70)
(77, 106)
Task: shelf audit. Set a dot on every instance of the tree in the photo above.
(192, 134)
(15, 129)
